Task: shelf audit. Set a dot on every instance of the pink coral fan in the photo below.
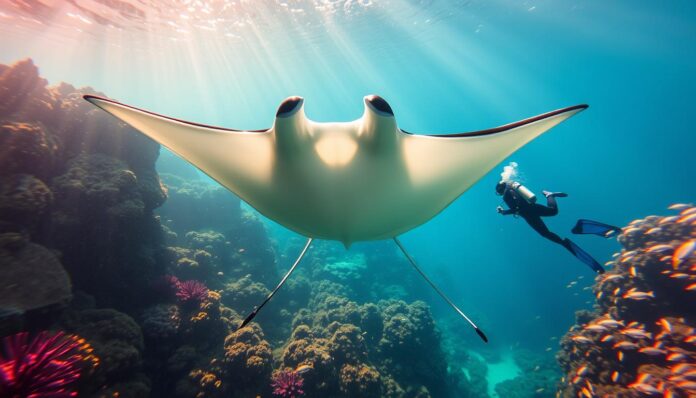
(287, 384)
(46, 366)
(191, 291)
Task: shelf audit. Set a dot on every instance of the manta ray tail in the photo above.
(282, 282)
(413, 263)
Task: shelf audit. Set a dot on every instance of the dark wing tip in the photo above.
(247, 319)
(481, 335)
(90, 97)
(510, 126)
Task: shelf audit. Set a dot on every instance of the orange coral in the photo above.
(641, 339)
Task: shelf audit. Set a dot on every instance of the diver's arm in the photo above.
(504, 211)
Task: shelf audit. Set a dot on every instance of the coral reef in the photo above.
(360, 381)
(24, 199)
(287, 384)
(248, 359)
(640, 340)
(32, 276)
(359, 350)
(75, 180)
(117, 341)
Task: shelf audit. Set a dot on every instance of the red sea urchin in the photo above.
(191, 292)
(46, 366)
(287, 384)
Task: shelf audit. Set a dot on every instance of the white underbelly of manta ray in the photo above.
(355, 181)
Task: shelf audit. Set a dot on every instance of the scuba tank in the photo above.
(525, 193)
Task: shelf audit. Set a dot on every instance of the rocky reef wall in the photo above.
(640, 339)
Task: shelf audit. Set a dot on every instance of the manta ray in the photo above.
(346, 181)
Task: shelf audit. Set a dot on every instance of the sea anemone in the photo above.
(287, 384)
(191, 292)
(47, 365)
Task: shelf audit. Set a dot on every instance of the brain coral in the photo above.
(640, 340)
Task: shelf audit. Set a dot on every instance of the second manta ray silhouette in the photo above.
(352, 181)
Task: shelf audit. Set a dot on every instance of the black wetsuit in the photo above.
(532, 213)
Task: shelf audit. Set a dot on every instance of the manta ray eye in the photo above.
(378, 104)
(289, 106)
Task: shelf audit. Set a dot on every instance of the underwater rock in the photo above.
(314, 352)
(118, 343)
(641, 338)
(207, 324)
(347, 345)
(360, 350)
(248, 359)
(160, 324)
(32, 277)
(253, 253)
(26, 149)
(244, 294)
(409, 336)
(23, 93)
(351, 270)
(358, 381)
(80, 182)
(24, 202)
(537, 379)
(109, 239)
(207, 240)
(100, 186)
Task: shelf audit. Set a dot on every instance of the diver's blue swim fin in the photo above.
(583, 256)
(595, 228)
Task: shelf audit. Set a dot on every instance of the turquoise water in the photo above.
(444, 67)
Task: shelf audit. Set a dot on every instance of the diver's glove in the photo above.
(499, 209)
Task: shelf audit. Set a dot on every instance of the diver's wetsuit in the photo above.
(532, 213)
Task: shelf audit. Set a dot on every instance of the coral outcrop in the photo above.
(32, 276)
(77, 181)
(248, 360)
(640, 340)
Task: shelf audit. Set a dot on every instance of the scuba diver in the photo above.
(522, 202)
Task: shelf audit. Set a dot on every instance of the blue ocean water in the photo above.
(444, 67)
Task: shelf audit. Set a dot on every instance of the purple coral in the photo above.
(191, 292)
(44, 366)
(287, 384)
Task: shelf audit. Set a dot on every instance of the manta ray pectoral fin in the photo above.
(455, 162)
(239, 160)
